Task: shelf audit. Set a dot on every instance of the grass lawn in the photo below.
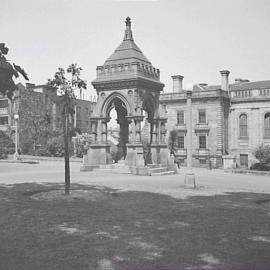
(100, 228)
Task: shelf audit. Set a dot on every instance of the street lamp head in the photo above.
(16, 116)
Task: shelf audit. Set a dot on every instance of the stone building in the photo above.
(228, 118)
(33, 102)
(249, 119)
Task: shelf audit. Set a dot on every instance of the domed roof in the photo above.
(127, 51)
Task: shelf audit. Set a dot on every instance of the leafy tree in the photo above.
(8, 72)
(262, 153)
(172, 140)
(66, 87)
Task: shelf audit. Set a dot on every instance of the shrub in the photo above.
(7, 146)
(42, 151)
(55, 147)
(82, 143)
(262, 153)
(3, 153)
(260, 167)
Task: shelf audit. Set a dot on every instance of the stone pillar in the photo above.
(162, 130)
(189, 177)
(155, 131)
(138, 131)
(134, 156)
(104, 131)
(220, 130)
(98, 153)
(94, 130)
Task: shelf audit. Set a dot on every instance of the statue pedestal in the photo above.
(134, 155)
(97, 154)
(228, 162)
(190, 180)
(161, 155)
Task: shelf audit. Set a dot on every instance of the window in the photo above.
(243, 125)
(267, 125)
(180, 142)
(86, 111)
(202, 161)
(3, 103)
(3, 120)
(202, 141)
(180, 117)
(202, 117)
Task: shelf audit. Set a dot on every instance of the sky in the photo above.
(193, 38)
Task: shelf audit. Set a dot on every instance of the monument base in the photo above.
(97, 154)
(134, 155)
(190, 180)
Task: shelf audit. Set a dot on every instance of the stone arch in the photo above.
(107, 104)
(123, 109)
(150, 106)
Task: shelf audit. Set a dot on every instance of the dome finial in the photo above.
(128, 21)
(128, 32)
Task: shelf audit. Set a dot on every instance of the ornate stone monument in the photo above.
(129, 83)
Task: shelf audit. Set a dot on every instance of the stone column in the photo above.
(104, 131)
(138, 131)
(220, 130)
(162, 131)
(94, 130)
(154, 131)
(190, 176)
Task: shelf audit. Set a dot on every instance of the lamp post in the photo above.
(190, 176)
(16, 154)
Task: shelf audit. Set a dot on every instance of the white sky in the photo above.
(194, 38)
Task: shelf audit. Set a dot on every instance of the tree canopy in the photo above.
(7, 73)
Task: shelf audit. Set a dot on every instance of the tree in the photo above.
(7, 71)
(172, 140)
(66, 88)
(262, 153)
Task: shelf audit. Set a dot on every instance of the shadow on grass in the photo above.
(131, 230)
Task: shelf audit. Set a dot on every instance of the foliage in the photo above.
(262, 153)
(7, 146)
(172, 140)
(3, 153)
(6, 143)
(66, 90)
(260, 167)
(56, 147)
(42, 151)
(35, 130)
(7, 72)
(82, 143)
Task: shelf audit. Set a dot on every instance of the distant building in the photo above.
(227, 119)
(32, 101)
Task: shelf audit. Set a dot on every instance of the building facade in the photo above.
(227, 119)
(37, 106)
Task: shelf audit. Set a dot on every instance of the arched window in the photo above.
(267, 125)
(243, 125)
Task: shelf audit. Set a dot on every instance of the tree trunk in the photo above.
(66, 140)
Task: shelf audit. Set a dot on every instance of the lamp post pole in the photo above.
(190, 176)
(16, 154)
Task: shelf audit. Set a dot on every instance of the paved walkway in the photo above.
(208, 182)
